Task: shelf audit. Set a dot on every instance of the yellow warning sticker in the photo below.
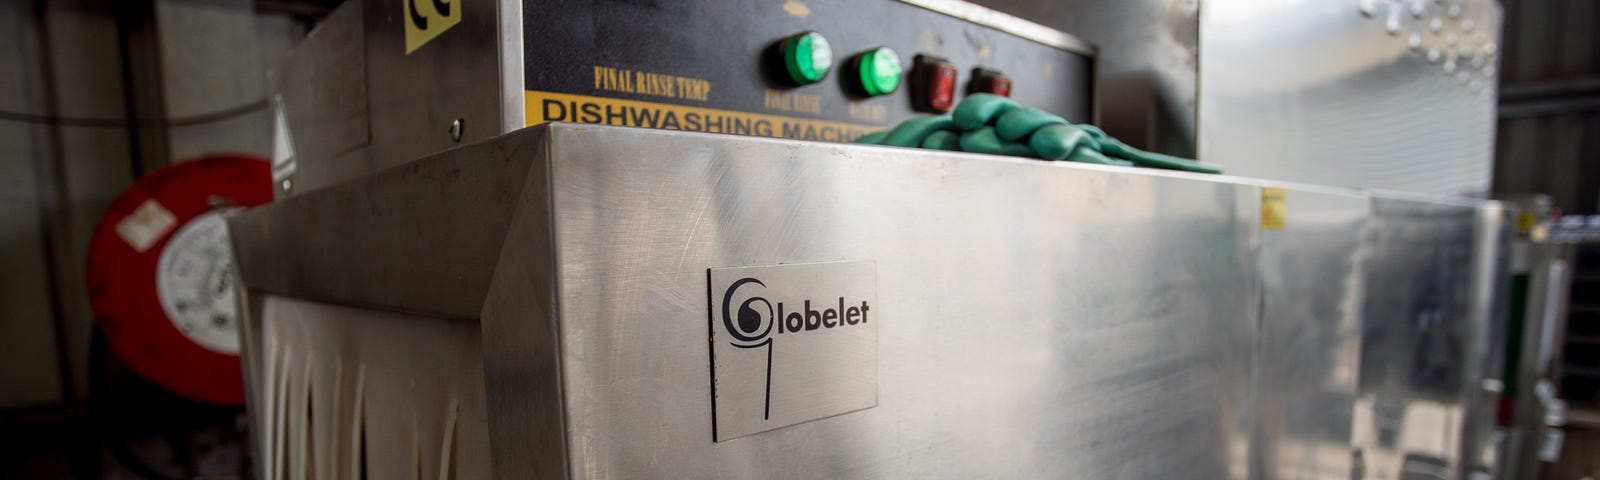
(1526, 221)
(562, 107)
(1273, 208)
(426, 19)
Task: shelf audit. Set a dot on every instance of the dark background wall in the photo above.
(1549, 132)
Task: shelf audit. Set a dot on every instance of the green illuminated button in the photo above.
(878, 70)
(807, 57)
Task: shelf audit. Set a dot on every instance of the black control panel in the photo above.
(828, 70)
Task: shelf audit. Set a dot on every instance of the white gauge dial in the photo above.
(194, 279)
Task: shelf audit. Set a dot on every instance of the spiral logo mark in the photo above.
(751, 324)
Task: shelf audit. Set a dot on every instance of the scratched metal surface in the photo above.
(1423, 338)
(1359, 93)
(1310, 338)
(1037, 319)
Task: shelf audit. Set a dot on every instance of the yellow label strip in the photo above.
(563, 107)
(1274, 208)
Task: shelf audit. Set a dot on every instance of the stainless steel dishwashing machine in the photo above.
(602, 302)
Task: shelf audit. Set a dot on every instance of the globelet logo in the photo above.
(752, 321)
(791, 343)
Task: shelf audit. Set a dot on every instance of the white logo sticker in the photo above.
(792, 344)
(146, 225)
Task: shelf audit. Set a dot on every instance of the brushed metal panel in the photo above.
(414, 97)
(1146, 70)
(424, 237)
(522, 353)
(1037, 318)
(1335, 93)
(1310, 339)
(1009, 24)
(1421, 339)
(1489, 309)
(323, 86)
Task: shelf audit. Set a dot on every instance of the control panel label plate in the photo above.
(561, 107)
(791, 344)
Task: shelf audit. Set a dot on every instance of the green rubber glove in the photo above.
(1060, 141)
(984, 140)
(1018, 123)
(1115, 148)
(985, 123)
(979, 109)
(911, 132)
(874, 138)
(1090, 156)
(943, 140)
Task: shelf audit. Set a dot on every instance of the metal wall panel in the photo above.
(1310, 339)
(413, 97)
(213, 59)
(31, 325)
(1127, 316)
(1146, 73)
(1359, 93)
(321, 93)
(1037, 318)
(1423, 338)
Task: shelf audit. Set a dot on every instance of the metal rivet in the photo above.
(1436, 25)
(287, 184)
(1393, 24)
(1369, 8)
(1467, 25)
(1451, 39)
(1415, 41)
(455, 130)
(1454, 11)
(1434, 55)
